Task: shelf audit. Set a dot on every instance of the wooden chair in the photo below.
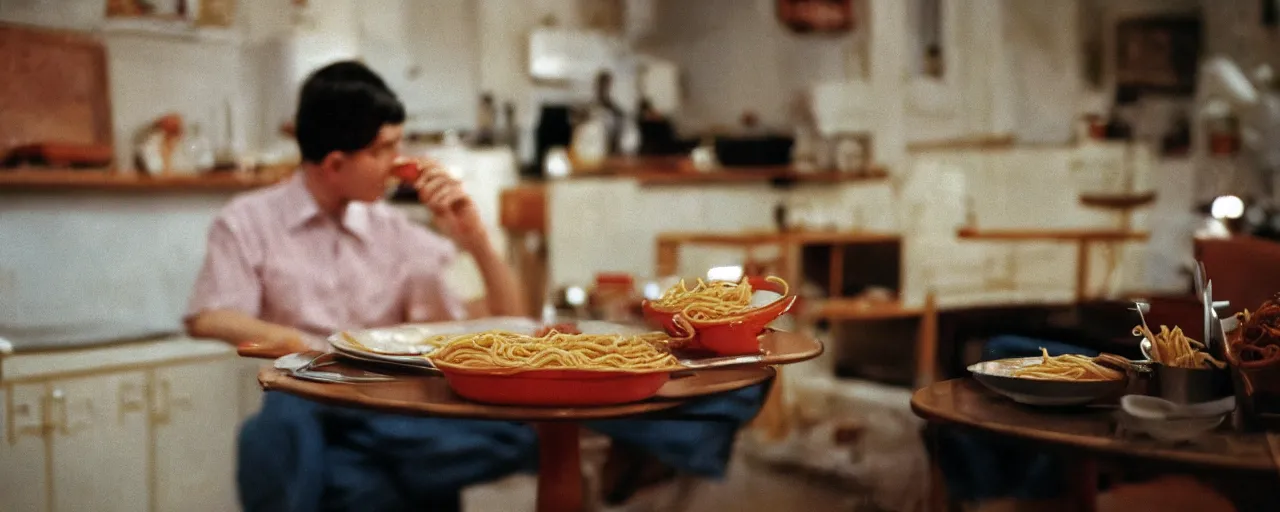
(1245, 270)
(927, 373)
(523, 213)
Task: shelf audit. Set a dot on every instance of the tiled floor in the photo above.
(752, 487)
(748, 487)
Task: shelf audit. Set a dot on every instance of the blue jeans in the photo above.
(299, 455)
(981, 466)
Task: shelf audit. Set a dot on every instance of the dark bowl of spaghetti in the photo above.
(1253, 353)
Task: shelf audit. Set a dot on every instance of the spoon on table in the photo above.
(715, 362)
(303, 364)
(1143, 307)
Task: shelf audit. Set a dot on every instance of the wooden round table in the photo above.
(1089, 432)
(559, 469)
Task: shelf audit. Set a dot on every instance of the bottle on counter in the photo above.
(510, 132)
(802, 151)
(590, 145)
(198, 151)
(704, 156)
(780, 215)
(486, 121)
(613, 297)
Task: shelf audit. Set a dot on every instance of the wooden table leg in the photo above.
(559, 467)
(1082, 269)
(1081, 487)
(789, 264)
(835, 284)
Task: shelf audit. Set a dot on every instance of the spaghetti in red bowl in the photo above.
(717, 317)
(557, 369)
(554, 388)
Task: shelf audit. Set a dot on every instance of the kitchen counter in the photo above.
(34, 364)
(39, 338)
(107, 180)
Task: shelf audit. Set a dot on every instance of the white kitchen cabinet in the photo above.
(134, 427)
(22, 451)
(193, 415)
(100, 446)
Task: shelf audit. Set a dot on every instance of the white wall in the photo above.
(1045, 41)
(106, 264)
(429, 53)
(1045, 49)
(735, 55)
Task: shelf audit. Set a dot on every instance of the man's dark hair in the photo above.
(342, 107)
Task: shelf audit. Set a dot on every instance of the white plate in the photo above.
(407, 340)
(998, 376)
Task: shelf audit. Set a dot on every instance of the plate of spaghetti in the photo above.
(1253, 352)
(718, 316)
(555, 369)
(1053, 380)
(1255, 344)
(404, 343)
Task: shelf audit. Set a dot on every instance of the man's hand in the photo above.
(252, 337)
(454, 210)
(456, 213)
(272, 347)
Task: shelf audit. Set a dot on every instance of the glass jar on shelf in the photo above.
(612, 297)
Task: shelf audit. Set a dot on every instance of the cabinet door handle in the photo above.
(32, 426)
(160, 414)
(130, 399)
(56, 412)
(166, 403)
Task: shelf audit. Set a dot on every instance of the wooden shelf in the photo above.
(1065, 235)
(101, 180)
(171, 29)
(859, 309)
(992, 141)
(680, 171)
(803, 237)
(780, 174)
(1118, 201)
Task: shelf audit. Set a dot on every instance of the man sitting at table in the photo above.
(318, 253)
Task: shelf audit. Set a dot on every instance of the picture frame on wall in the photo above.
(817, 16)
(1158, 55)
(851, 152)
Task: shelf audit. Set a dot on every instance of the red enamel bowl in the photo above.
(554, 388)
(729, 336)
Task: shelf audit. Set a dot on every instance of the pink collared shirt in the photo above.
(274, 255)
